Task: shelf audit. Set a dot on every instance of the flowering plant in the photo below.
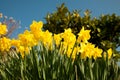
(40, 54)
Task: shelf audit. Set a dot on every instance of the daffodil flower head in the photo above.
(5, 44)
(109, 53)
(3, 29)
(27, 39)
(83, 35)
(36, 26)
(57, 39)
(47, 39)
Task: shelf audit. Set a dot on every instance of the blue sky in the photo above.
(28, 10)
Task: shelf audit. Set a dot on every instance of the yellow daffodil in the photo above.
(24, 50)
(36, 30)
(69, 51)
(47, 39)
(5, 44)
(68, 42)
(27, 39)
(3, 29)
(75, 52)
(36, 26)
(83, 35)
(84, 52)
(69, 38)
(15, 42)
(109, 52)
(57, 39)
(97, 53)
(89, 50)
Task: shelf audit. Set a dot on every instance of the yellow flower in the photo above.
(5, 44)
(68, 42)
(69, 38)
(57, 39)
(89, 50)
(38, 35)
(75, 52)
(22, 51)
(16, 43)
(36, 26)
(27, 39)
(69, 51)
(83, 35)
(84, 51)
(72, 52)
(3, 29)
(47, 39)
(97, 53)
(36, 30)
(109, 52)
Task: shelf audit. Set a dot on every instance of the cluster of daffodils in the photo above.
(73, 45)
(67, 42)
